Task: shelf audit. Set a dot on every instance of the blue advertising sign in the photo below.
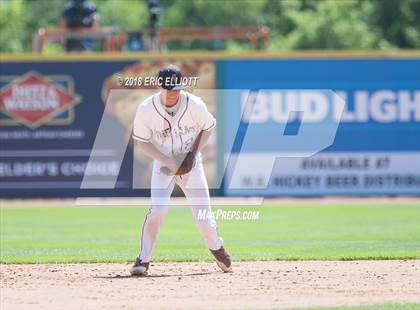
(376, 149)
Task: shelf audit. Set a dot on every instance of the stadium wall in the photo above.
(51, 108)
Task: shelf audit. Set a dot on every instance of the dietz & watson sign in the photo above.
(33, 100)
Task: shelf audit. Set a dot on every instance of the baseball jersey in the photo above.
(172, 135)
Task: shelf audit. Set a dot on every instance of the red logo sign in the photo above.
(34, 100)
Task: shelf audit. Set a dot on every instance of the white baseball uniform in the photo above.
(172, 135)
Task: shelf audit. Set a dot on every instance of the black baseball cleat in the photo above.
(139, 268)
(222, 259)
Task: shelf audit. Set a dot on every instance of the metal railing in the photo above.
(112, 39)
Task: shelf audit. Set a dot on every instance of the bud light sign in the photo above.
(375, 104)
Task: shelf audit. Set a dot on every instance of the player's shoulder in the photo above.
(147, 104)
(146, 107)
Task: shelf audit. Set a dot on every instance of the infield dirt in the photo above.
(252, 285)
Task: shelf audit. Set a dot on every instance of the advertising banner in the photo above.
(376, 147)
(50, 112)
(321, 126)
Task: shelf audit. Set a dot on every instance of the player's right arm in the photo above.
(151, 151)
(142, 134)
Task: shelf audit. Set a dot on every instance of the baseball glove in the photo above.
(184, 163)
(187, 164)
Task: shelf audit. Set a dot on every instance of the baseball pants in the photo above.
(195, 187)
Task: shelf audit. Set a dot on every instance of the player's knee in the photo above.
(205, 228)
(156, 215)
(159, 203)
(159, 206)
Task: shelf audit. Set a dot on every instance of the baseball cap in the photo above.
(170, 78)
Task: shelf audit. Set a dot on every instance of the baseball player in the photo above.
(171, 127)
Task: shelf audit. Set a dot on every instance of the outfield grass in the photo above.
(375, 307)
(111, 234)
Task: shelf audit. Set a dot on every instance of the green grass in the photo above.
(375, 307)
(111, 234)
